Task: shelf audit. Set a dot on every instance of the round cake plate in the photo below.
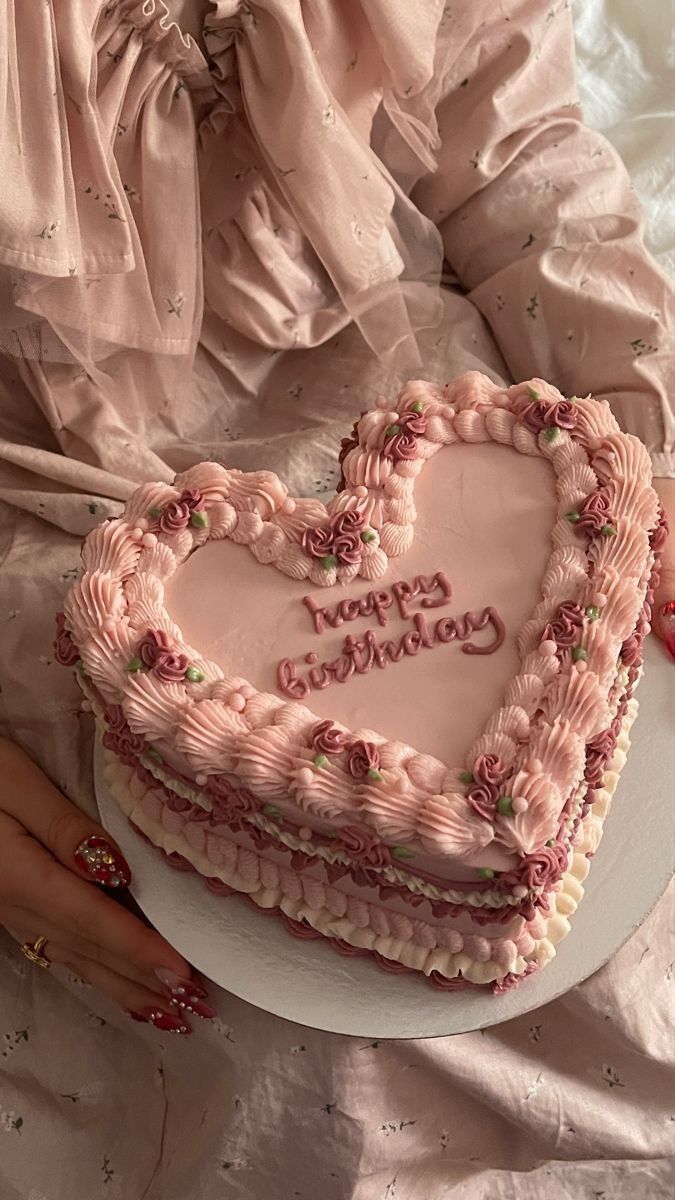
(251, 954)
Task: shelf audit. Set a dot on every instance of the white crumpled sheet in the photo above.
(624, 66)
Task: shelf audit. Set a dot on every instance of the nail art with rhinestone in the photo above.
(167, 1022)
(185, 993)
(103, 863)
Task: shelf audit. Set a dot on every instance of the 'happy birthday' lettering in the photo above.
(364, 654)
(378, 602)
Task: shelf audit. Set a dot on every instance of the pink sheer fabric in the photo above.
(226, 247)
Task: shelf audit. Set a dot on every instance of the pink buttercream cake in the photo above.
(397, 719)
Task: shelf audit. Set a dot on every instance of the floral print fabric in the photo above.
(214, 248)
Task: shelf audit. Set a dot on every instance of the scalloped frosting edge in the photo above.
(255, 508)
(563, 901)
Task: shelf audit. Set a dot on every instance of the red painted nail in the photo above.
(136, 1016)
(665, 626)
(185, 993)
(103, 863)
(167, 1022)
(198, 1007)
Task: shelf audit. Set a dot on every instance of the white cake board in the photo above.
(253, 956)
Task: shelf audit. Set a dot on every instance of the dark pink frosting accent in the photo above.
(542, 868)
(340, 537)
(303, 930)
(362, 845)
(198, 815)
(403, 445)
(591, 797)
(220, 789)
(228, 803)
(174, 518)
(593, 514)
(400, 446)
(415, 423)
(261, 838)
(119, 739)
(115, 719)
(362, 757)
(157, 651)
(349, 443)
(598, 751)
(564, 628)
(347, 548)
(631, 649)
(120, 747)
(346, 446)
(174, 802)
(194, 499)
(326, 739)
(318, 543)
(365, 654)
(350, 521)
(300, 861)
(335, 871)
(147, 777)
(489, 769)
(483, 800)
(299, 929)
(542, 414)
(219, 888)
(65, 651)
(507, 984)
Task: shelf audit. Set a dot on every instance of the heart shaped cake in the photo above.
(397, 719)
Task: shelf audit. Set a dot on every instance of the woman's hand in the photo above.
(664, 601)
(54, 864)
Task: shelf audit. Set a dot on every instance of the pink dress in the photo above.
(226, 248)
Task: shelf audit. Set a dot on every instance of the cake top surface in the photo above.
(428, 654)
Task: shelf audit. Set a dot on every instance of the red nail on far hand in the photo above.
(167, 1022)
(667, 626)
(185, 993)
(103, 863)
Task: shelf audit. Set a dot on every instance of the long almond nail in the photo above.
(185, 993)
(193, 1005)
(167, 1022)
(103, 863)
(665, 625)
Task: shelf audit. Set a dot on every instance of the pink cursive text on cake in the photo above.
(361, 655)
(401, 594)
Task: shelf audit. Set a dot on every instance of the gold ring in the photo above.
(33, 951)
